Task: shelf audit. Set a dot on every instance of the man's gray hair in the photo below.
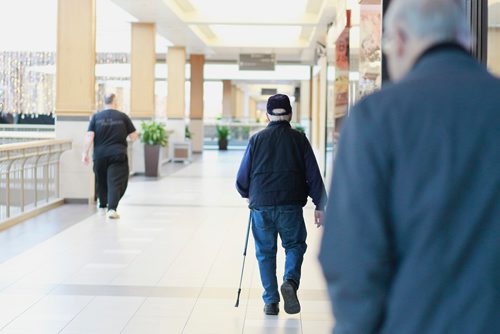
(278, 117)
(109, 98)
(432, 20)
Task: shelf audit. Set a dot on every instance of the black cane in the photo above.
(244, 257)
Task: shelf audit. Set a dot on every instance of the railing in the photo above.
(239, 132)
(29, 176)
(15, 133)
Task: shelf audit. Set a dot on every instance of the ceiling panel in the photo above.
(202, 25)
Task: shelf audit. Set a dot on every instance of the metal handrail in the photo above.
(29, 175)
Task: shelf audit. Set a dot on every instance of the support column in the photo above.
(239, 104)
(246, 106)
(253, 110)
(176, 61)
(196, 104)
(315, 112)
(319, 114)
(75, 93)
(321, 155)
(297, 110)
(227, 90)
(142, 83)
(234, 101)
(305, 106)
(142, 71)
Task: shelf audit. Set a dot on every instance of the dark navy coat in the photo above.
(279, 168)
(412, 233)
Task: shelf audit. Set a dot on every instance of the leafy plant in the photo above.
(300, 128)
(222, 131)
(187, 133)
(153, 134)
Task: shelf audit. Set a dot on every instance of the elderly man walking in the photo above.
(412, 230)
(277, 174)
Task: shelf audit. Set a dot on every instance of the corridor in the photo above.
(171, 264)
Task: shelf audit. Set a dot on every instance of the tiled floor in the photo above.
(171, 264)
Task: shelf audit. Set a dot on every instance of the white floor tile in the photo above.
(171, 264)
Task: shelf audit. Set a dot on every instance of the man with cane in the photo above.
(277, 174)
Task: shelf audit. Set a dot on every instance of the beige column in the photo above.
(305, 106)
(176, 61)
(196, 102)
(142, 83)
(318, 128)
(239, 104)
(297, 110)
(234, 101)
(75, 74)
(142, 71)
(315, 112)
(253, 110)
(321, 154)
(246, 106)
(75, 92)
(227, 98)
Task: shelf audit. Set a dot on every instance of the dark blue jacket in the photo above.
(412, 232)
(279, 168)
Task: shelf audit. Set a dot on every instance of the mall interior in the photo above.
(203, 70)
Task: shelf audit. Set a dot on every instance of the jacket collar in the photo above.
(448, 56)
(440, 47)
(279, 123)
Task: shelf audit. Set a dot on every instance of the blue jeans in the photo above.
(288, 222)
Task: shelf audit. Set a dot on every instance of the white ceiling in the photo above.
(222, 29)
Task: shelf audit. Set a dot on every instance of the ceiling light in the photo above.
(263, 10)
(261, 35)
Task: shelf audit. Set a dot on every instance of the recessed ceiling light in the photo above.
(264, 10)
(258, 35)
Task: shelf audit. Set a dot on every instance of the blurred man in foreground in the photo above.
(412, 231)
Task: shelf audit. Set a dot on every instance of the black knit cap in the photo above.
(279, 101)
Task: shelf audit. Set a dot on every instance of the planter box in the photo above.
(152, 160)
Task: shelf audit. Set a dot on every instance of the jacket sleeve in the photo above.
(356, 252)
(243, 177)
(313, 178)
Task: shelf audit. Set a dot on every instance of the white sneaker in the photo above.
(101, 211)
(112, 214)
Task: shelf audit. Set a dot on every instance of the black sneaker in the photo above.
(289, 293)
(272, 309)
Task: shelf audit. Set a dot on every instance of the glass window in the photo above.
(494, 36)
(27, 58)
(113, 41)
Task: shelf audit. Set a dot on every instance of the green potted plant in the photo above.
(153, 136)
(222, 136)
(300, 128)
(187, 133)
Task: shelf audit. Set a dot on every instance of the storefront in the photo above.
(356, 64)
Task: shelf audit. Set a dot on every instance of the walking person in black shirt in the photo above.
(108, 131)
